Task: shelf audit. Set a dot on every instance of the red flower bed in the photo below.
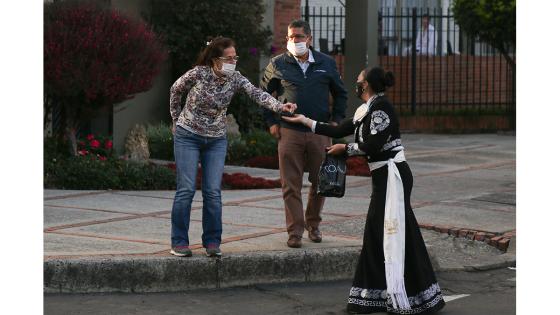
(245, 181)
(238, 180)
(270, 162)
(357, 166)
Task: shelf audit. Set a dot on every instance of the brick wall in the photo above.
(285, 11)
(456, 123)
(450, 80)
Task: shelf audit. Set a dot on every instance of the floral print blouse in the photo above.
(207, 99)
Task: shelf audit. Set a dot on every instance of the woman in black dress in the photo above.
(394, 273)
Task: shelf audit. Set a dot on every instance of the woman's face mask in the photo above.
(359, 89)
(228, 68)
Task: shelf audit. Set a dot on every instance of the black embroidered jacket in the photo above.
(376, 136)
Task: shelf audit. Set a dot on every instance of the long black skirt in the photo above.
(369, 289)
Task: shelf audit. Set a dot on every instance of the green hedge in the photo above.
(240, 148)
(249, 145)
(160, 141)
(90, 173)
(62, 171)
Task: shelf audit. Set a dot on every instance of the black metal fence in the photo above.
(327, 28)
(436, 65)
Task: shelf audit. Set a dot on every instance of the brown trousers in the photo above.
(298, 152)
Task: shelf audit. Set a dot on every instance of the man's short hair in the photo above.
(301, 23)
(426, 15)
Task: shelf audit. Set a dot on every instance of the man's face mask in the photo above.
(297, 49)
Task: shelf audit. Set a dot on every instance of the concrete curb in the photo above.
(171, 274)
(507, 260)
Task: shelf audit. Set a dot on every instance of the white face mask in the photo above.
(228, 68)
(297, 49)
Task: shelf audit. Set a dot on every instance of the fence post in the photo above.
(306, 17)
(512, 108)
(413, 48)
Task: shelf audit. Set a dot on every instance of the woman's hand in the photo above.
(296, 119)
(289, 107)
(336, 149)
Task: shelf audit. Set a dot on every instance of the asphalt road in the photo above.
(481, 292)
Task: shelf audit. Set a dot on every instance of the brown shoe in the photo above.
(315, 235)
(294, 241)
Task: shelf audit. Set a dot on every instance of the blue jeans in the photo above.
(189, 149)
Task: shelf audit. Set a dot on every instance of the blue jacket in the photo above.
(310, 91)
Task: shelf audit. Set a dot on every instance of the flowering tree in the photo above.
(95, 57)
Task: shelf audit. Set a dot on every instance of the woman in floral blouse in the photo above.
(199, 130)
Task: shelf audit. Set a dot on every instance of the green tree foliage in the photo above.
(187, 25)
(493, 21)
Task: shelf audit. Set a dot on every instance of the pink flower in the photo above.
(94, 144)
(83, 152)
(90, 137)
(108, 144)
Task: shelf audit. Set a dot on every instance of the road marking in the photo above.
(449, 298)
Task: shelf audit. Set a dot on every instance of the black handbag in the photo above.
(332, 176)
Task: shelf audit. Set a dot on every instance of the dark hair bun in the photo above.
(389, 79)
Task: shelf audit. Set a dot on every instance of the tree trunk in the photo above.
(504, 53)
(70, 130)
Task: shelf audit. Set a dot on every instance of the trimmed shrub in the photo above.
(249, 145)
(88, 172)
(160, 141)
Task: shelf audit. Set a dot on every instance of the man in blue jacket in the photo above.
(308, 78)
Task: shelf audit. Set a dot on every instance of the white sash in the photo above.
(394, 232)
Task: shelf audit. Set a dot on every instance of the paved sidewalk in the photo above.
(101, 241)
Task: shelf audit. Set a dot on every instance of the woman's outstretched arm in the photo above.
(345, 128)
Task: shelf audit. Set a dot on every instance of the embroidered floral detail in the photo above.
(360, 113)
(391, 145)
(353, 149)
(367, 303)
(380, 298)
(391, 226)
(368, 293)
(417, 310)
(379, 121)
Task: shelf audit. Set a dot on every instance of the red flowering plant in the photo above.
(237, 180)
(94, 57)
(100, 147)
(270, 162)
(357, 166)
